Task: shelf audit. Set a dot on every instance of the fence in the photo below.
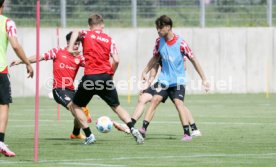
(142, 13)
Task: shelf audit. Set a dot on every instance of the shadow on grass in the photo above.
(162, 136)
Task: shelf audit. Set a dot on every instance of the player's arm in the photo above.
(115, 62)
(75, 35)
(186, 51)
(153, 61)
(152, 75)
(114, 56)
(21, 54)
(32, 59)
(199, 70)
(151, 64)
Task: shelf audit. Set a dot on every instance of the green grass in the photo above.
(238, 130)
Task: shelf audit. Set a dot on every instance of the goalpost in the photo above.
(37, 81)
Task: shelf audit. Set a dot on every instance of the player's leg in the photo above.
(4, 115)
(121, 127)
(125, 117)
(87, 114)
(183, 115)
(82, 97)
(195, 131)
(142, 101)
(160, 95)
(177, 95)
(109, 94)
(64, 97)
(155, 101)
(81, 118)
(76, 131)
(5, 100)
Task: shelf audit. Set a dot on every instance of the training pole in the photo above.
(57, 35)
(37, 81)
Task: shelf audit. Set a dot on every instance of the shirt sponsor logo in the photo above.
(77, 61)
(62, 65)
(99, 38)
(102, 39)
(93, 36)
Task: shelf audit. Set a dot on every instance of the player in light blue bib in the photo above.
(171, 49)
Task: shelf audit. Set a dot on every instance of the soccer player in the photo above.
(147, 94)
(8, 33)
(98, 48)
(65, 68)
(171, 48)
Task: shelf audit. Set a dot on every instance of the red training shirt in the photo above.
(97, 48)
(65, 67)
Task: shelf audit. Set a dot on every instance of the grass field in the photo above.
(238, 130)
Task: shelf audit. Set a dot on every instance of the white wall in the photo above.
(236, 60)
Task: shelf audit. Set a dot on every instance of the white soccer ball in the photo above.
(104, 124)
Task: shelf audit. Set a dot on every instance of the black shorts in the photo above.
(63, 96)
(150, 90)
(175, 92)
(5, 89)
(96, 84)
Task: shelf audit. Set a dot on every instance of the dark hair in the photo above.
(68, 37)
(95, 19)
(162, 21)
(1, 2)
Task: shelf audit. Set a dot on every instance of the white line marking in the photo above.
(164, 122)
(89, 164)
(170, 157)
(76, 161)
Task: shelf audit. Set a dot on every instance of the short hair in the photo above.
(162, 21)
(1, 2)
(95, 19)
(68, 37)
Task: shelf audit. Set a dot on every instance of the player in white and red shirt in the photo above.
(8, 35)
(98, 48)
(65, 68)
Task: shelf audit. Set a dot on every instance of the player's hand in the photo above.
(144, 77)
(145, 85)
(15, 62)
(30, 70)
(206, 85)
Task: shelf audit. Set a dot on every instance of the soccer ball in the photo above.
(104, 124)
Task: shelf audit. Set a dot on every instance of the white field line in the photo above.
(77, 161)
(262, 155)
(160, 122)
(51, 112)
(72, 163)
(89, 164)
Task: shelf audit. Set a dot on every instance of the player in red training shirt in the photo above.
(98, 48)
(65, 68)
